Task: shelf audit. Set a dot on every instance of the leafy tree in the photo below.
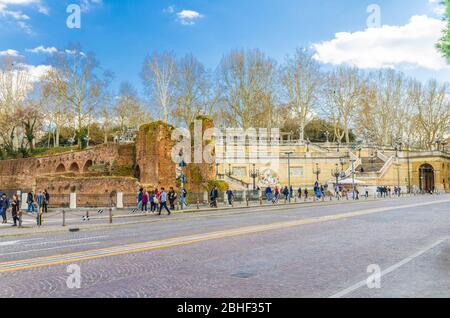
(444, 44)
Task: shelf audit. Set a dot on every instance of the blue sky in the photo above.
(122, 33)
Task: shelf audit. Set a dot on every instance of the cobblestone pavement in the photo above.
(293, 251)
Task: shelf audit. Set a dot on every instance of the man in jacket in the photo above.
(214, 195)
(163, 201)
(172, 198)
(4, 205)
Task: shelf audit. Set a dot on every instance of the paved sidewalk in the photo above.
(99, 218)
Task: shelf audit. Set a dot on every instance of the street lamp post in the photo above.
(254, 173)
(353, 177)
(398, 147)
(327, 135)
(289, 154)
(336, 174)
(317, 172)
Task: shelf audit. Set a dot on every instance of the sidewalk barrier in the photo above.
(73, 201)
(24, 205)
(110, 216)
(119, 203)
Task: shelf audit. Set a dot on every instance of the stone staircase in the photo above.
(370, 167)
(235, 183)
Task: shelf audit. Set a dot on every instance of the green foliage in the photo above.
(221, 185)
(315, 130)
(122, 170)
(444, 44)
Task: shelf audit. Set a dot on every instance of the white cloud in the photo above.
(188, 17)
(437, 6)
(184, 17)
(36, 72)
(10, 52)
(410, 45)
(169, 9)
(10, 10)
(88, 5)
(42, 49)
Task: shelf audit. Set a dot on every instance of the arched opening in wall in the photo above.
(137, 172)
(426, 177)
(88, 165)
(61, 168)
(74, 167)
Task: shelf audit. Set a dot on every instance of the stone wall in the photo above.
(22, 173)
(154, 155)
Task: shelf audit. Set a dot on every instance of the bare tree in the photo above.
(342, 93)
(301, 83)
(55, 88)
(194, 93)
(128, 110)
(159, 75)
(15, 84)
(433, 110)
(246, 82)
(381, 116)
(78, 71)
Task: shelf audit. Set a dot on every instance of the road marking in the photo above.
(9, 243)
(185, 240)
(50, 248)
(394, 267)
(68, 241)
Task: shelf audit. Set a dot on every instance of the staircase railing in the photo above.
(386, 166)
(358, 162)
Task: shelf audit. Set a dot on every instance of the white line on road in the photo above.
(50, 248)
(68, 241)
(9, 243)
(405, 261)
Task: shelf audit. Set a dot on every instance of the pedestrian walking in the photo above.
(15, 211)
(163, 201)
(230, 197)
(269, 194)
(214, 194)
(366, 191)
(306, 194)
(172, 197)
(144, 200)
(299, 193)
(183, 198)
(4, 205)
(139, 199)
(30, 202)
(46, 201)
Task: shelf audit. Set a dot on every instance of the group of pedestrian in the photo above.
(35, 204)
(38, 202)
(385, 192)
(157, 200)
(12, 205)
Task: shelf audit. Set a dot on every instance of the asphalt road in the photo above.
(294, 251)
